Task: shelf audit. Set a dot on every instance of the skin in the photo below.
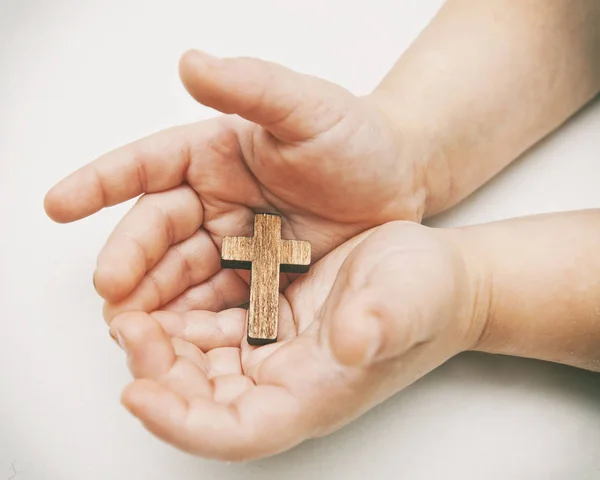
(334, 165)
(369, 319)
(349, 340)
(207, 180)
(543, 287)
(486, 81)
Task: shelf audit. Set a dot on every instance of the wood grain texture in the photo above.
(265, 254)
(236, 252)
(294, 256)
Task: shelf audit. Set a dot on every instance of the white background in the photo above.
(79, 78)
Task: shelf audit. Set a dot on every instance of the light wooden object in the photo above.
(265, 255)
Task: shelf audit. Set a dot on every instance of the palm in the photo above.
(214, 403)
(322, 199)
(200, 386)
(329, 164)
(327, 189)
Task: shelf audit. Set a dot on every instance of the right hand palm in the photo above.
(328, 161)
(371, 317)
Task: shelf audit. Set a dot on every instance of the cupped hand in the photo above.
(370, 318)
(332, 163)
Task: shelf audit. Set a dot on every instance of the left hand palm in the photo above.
(330, 163)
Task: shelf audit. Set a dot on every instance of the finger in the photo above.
(152, 354)
(395, 291)
(204, 329)
(187, 263)
(187, 379)
(191, 352)
(225, 289)
(264, 420)
(224, 361)
(181, 414)
(253, 358)
(142, 237)
(225, 328)
(149, 350)
(227, 388)
(152, 164)
(172, 416)
(292, 106)
(215, 330)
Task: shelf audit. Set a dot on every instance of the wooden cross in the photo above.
(265, 255)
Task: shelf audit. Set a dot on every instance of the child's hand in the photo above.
(370, 318)
(330, 162)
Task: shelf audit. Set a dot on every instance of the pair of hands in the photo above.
(381, 306)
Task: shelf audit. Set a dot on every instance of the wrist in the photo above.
(421, 144)
(473, 316)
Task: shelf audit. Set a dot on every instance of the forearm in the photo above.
(539, 289)
(485, 81)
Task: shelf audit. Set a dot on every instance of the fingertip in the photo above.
(119, 269)
(141, 394)
(194, 73)
(162, 412)
(110, 296)
(49, 204)
(186, 62)
(75, 197)
(108, 289)
(136, 395)
(148, 400)
(193, 58)
(111, 287)
(54, 206)
(149, 349)
(133, 325)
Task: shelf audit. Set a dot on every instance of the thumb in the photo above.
(398, 289)
(292, 106)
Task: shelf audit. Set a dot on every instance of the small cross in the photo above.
(265, 255)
